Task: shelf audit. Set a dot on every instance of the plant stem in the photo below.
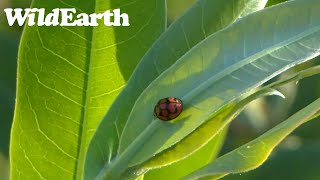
(119, 165)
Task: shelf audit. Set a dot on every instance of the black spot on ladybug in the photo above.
(168, 108)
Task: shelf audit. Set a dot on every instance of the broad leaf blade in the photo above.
(221, 69)
(68, 77)
(254, 153)
(209, 130)
(203, 19)
(193, 162)
(206, 132)
(202, 138)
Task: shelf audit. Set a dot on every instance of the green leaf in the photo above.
(205, 132)
(287, 163)
(273, 2)
(208, 130)
(206, 138)
(201, 136)
(254, 153)
(222, 69)
(193, 162)
(176, 8)
(217, 71)
(67, 79)
(203, 19)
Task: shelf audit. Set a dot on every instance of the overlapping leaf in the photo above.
(203, 19)
(254, 153)
(217, 71)
(209, 130)
(200, 158)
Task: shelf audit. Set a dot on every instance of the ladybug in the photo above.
(168, 108)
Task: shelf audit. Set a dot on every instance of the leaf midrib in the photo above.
(235, 66)
(243, 13)
(83, 121)
(249, 60)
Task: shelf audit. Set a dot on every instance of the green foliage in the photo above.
(214, 58)
(204, 133)
(174, 43)
(274, 2)
(222, 70)
(287, 163)
(254, 153)
(177, 8)
(67, 79)
(193, 162)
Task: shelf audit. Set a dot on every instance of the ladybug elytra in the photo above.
(168, 108)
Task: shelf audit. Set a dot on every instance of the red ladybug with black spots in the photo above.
(168, 108)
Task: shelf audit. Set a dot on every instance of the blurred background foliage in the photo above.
(9, 43)
(295, 159)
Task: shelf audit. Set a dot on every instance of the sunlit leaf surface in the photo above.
(203, 19)
(67, 79)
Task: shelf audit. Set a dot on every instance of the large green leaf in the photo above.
(217, 71)
(254, 153)
(203, 19)
(203, 138)
(67, 79)
(209, 130)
